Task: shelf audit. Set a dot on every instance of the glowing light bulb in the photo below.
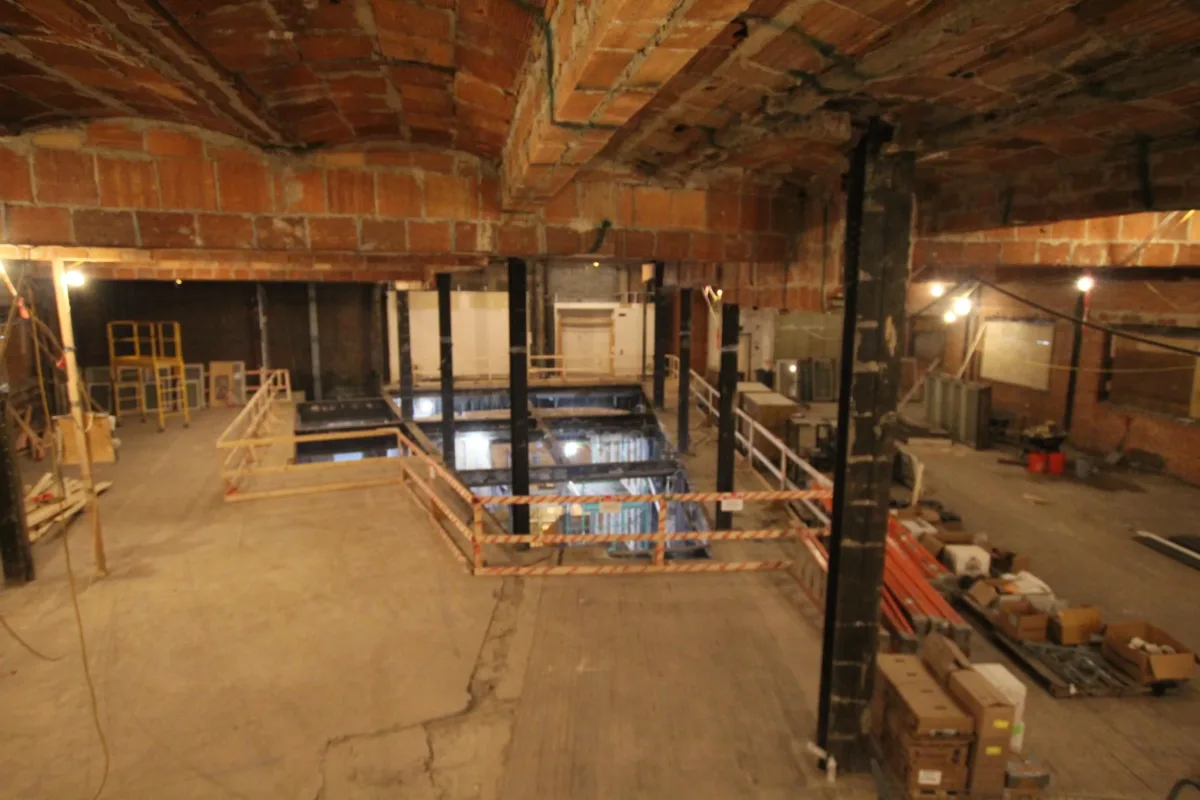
(570, 449)
(937, 289)
(1085, 283)
(74, 278)
(962, 306)
(949, 316)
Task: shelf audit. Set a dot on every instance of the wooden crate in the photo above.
(771, 410)
(99, 438)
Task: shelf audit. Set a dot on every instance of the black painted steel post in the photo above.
(15, 551)
(518, 364)
(447, 338)
(879, 204)
(662, 327)
(406, 373)
(1076, 351)
(727, 386)
(685, 366)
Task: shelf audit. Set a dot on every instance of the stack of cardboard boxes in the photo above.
(945, 728)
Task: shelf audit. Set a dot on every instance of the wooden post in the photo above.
(477, 543)
(660, 545)
(67, 330)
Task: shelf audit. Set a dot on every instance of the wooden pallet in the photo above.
(1114, 683)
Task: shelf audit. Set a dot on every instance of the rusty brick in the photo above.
(434, 162)
(226, 231)
(125, 183)
(563, 241)
(1104, 229)
(1056, 254)
(738, 247)
(17, 183)
(756, 212)
(167, 229)
(772, 247)
(1018, 252)
(384, 236)
(982, 252)
(429, 237)
(32, 225)
(638, 244)
(651, 207)
(1188, 255)
(235, 153)
(708, 246)
(689, 209)
(1158, 254)
(243, 186)
(579, 106)
(563, 207)
(673, 245)
(724, 212)
(114, 136)
(466, 237)
(187, 184)
(449, 197)
(300, 191)
(489, 197)
(95, 228)
(517, 239)
(1069, 229)
(351, 191)
(64, 176)
(1139, 227)
(281, 233)
(399, 196)
(1089, 255)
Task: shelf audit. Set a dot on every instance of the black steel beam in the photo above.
(662, 326)
(561, 473)
(1076, 351)
(727, 386)
(406, 371)
(633, 424)
(879, 204)
(15, 551)
(518, 364)
(447, 364)
(685, 367)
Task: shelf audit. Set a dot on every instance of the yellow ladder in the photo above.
(170, 386)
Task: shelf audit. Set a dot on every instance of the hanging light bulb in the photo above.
(949, 316)
(1085, 283)
(962, 306)
(74, 278)
(937, 289)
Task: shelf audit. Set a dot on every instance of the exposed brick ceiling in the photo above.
(975, 85)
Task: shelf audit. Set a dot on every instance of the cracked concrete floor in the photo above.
(327, 647)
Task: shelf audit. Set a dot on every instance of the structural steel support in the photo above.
(661, 328)
(15, 552)
(518, 365)
(685, 367)
(314, 341)
(879, 206)
(727, 386)
(260, 307)
(1076, 351)
(393, 335)
(561, 473)
(406, 372)
(447, 367)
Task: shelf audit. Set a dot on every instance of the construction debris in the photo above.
(47, 503)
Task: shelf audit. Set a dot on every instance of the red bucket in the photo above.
(1056, 463)
(1036, 462)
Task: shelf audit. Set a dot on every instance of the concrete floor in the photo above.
(328, 647)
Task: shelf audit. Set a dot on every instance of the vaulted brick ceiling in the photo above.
(974, 85)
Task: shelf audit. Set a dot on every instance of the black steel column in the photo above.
(406, 375)
(878, 226)
(727, 386)
(15, 551)
(1076, 350)
(518, 363)
(443, 290)
(662, 327)
(685, 366)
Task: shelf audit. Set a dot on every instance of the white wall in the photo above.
(479, 326)
(627, 332)
(760, 325)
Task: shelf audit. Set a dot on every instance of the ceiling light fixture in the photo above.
(937, 289)
(962, 305)
(74, 278)
(1085, 283)
(949, 316)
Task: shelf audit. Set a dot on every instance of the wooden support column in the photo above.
(15, 552)
(662, 324)
(518, 364)
(879, 207)
(685, 367)
(405, 339)
(447, 368)
(726, 424)
(74, 397)
(314, 341)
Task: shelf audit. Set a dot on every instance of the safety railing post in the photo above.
(477, 539)
(660, 544)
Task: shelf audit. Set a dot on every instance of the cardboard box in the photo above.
(1014, 691)
(943, 657)
(928, 764)
(994, 716)
(1018, 618)
(933, 544)
(984, 593)
(924, 709)
(967, 559)
(1143, 666)
(1075, 625)
(892, 669)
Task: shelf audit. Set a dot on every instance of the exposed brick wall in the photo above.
(182, 203)
(1110, 241)
(1098, 426)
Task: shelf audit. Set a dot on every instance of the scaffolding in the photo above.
(145, 361)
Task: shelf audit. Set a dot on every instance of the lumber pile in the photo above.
(47, 503)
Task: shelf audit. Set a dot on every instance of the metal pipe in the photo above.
(518, 364)
(260, 307)
(446, 333)
(727, 384)
(661, 326)
(685, 367)
(314, 341)
(1076, 350)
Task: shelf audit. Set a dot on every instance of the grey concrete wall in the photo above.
(808, 334)
(573, 281)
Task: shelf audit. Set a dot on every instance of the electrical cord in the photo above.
(33, 650)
